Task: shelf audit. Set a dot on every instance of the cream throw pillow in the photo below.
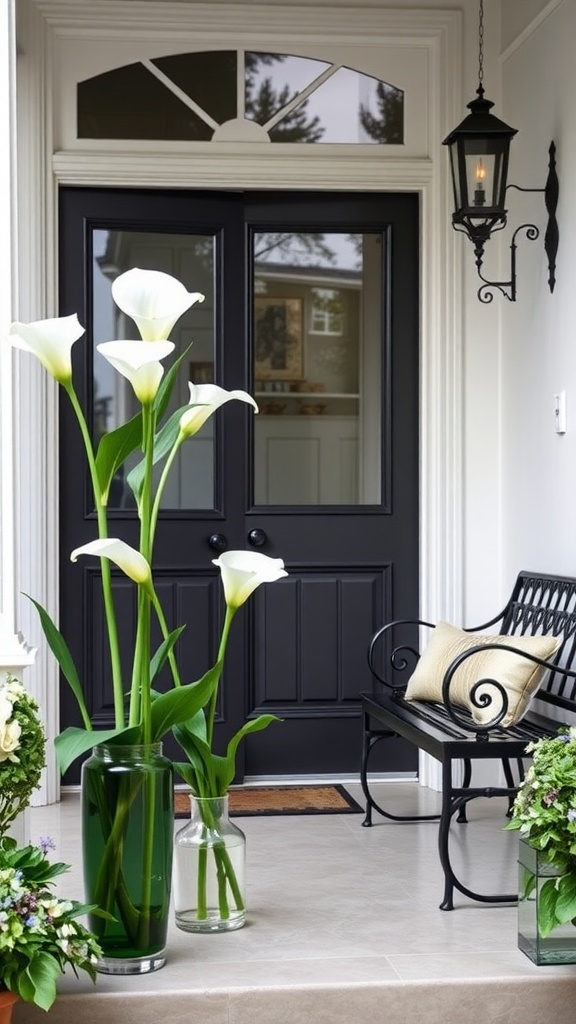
(520, 677)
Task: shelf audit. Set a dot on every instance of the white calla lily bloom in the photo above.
(51, 342)
(125, 557)
(204, 400)
(139, 363)
(243, 571)
(154, 301)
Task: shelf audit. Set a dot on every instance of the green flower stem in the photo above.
(225, 873)
(143, 936)
(140, 696)
(201, 897)
(153, 521)
(110, 867)
(112, 628)
(230, 612)
(162, 484)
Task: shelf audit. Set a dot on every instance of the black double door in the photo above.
(312, 307)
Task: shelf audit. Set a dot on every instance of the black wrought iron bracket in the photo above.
(551, 237)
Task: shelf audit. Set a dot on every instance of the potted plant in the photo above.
(40, 934)
(544, 812)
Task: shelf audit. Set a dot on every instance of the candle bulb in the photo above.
(479, 193)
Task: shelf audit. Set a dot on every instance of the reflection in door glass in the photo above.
(190, 258)
(317, 344)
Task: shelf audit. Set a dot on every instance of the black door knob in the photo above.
(218, 542)
(257, 538)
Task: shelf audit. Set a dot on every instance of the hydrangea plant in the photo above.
(545, 813)
(40, 934)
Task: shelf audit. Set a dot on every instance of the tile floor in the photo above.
(344, 927)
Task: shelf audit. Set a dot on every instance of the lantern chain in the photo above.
(481, 44)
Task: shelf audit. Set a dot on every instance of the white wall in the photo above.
(539, 331)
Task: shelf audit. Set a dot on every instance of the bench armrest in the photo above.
(486, 692)
(401, 656)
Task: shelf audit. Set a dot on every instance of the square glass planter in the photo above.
(560, 946)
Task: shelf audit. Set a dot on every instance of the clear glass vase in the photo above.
(128, 840)
(209, 869)
(559, 947)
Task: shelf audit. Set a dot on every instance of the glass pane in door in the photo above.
(189, 258)
(317, 345)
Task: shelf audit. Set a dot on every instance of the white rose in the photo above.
(9, 740)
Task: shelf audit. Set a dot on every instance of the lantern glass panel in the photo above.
(484, 172)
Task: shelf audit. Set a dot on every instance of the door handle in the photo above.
(257, 538)
(218, 542)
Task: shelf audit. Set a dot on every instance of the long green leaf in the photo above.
(566, 899)
(192, 738)
(163, 443)
(114, 449)
(167, 384)
(163, 394)
(163, 651)
(61, 652)
(229, 762)
(189, 774)
(183, 702)
(73, 742)
(547, 919)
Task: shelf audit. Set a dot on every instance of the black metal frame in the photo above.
(551, 238)
(539, 604)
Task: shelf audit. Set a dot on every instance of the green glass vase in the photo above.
(559, 947)
(127, 836)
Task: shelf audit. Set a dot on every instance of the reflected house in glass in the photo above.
(317, 346)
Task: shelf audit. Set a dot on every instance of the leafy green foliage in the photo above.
(20, 770)
(40, 934)
(210, 774)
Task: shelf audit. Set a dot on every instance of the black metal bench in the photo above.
(539, 605)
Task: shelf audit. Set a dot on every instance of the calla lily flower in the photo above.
(125, 557)
(51, 342)
(243, 571)
(204, 400)
(139, 363)
(154, 301)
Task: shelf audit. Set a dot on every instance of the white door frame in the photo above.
(48, 25)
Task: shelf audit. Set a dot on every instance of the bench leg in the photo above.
(370, 737)
(366, 748)
(444, 835)
(461, 816)
(452, 802)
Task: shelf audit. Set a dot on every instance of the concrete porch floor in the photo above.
(343, 927)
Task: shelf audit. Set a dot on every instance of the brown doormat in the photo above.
(252, 800)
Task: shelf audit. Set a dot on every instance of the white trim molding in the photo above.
(55, 32)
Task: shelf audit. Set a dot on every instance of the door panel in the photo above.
(311, 304)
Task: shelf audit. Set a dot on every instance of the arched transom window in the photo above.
(199, 97)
